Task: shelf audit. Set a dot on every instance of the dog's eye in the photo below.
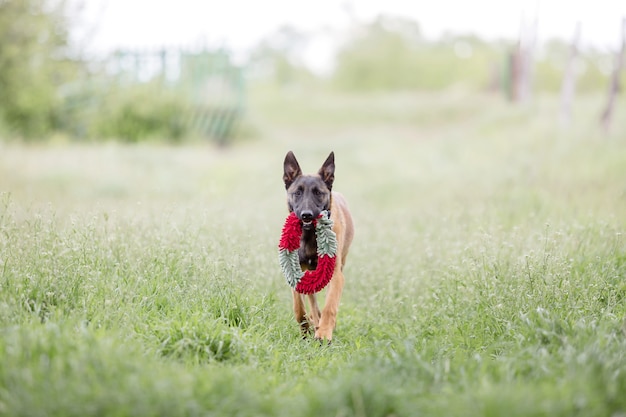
(298, 193)
(317, 192)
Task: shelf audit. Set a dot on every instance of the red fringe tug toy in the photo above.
(310, 281)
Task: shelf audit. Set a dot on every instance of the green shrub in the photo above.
(139, 112)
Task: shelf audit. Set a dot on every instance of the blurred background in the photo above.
(222, 72)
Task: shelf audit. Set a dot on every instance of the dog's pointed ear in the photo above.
(327, 171)
(291, 169)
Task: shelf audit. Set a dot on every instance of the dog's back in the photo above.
(343, 225)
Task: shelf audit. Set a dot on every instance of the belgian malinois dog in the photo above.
(307, 196)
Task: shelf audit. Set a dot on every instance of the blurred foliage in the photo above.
(391, 54)
(106, 108)
(277, 58)
(592, 67)
(139, 112)
(136, 97)
(45, 87)
(34, 59)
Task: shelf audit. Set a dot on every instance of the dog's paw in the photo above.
(305, 329)
(324, 335)
(321, 342)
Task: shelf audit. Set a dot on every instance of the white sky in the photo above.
(241, 24)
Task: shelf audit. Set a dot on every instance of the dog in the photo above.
(307, 197)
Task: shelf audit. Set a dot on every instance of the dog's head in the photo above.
(308, 195)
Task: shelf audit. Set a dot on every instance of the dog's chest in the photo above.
(308, 251)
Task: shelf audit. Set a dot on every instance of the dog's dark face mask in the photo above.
(308, 195)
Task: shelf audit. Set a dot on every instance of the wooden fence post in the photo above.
(569, 80)
(519, 77)
(614, 86)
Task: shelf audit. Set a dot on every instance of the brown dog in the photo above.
(307, 196)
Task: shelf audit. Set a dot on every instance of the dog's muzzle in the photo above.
(307, 219)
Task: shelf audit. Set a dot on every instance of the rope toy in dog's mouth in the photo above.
(311, 281)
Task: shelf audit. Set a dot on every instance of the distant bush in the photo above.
(391, 54)
(139, 112)
(46, 87)
(203, 99)
(143, 112)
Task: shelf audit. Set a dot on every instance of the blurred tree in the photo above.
(380, 55)
(278, 57)
(391, 54)
(34, 60)
(552, 62)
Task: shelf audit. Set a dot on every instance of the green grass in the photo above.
(487, 276)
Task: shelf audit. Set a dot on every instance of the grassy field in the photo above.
(487, 276)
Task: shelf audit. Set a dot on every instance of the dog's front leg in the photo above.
(314, 316)
(300, 312)
(331, 306)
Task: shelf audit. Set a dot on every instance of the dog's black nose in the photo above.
(306, 215)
